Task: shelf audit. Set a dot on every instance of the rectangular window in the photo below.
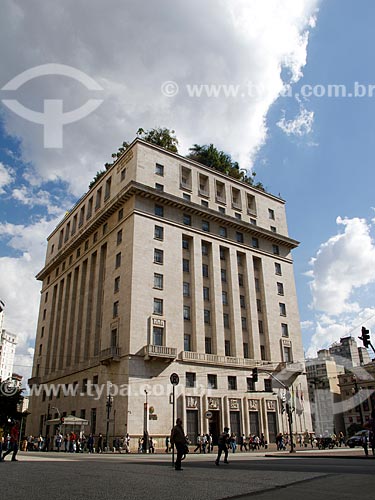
(221, 210)
(67, 232)
(185, 243)
(273, 229)
(98, 200)
(260, 326)
(208, 345)
(157, 335)
(207, 316)
(268, 385)
(287, 355)
(158, 233)
(240, 279)
(186, 197)
(244, 323)
(232, 383)
(239, 237)
(187, 342)
(251, 206)
(186, 289)
(239, 260)
(255, 242)
(190, 379)
(74, 225)
(204, 203)
(246, 350)
(123, 174)
(238, 216)
(107, 192)
(158, 306)
(282, 309)
(159, 210)
(224, 298)
(284, 330)
(242, 301)
(205, 270)
(227, 348)
(203, 185)
(206, 293)
(159, 169)
(277, 268)
(95, 237)
(186, 219)
(259, 305)
(250, 384)
(280, 288)
(223, 273)
(81, 216)
(253, 222)
(159, 187)
(114, 337)
(257, 284)
(275, 250)
(211, 381)
(158, 281)
(115, 309)
(271, 214)
(223, 231)
(222, 253)
(158, 256)
(186, 313)
(204, 248)
(226, 321)
(116, 287)
(220, 192)
(185, 265)
(205, 226)
(185, 178)
(118, 260)
(105, 228)
(89, 207)
(119, 236)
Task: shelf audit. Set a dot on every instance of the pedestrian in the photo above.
(90, 444)
(199, 444)
(1, 441)
(233, 442)
(167, 444)
(151, 445)
(100, 443)
(59, 440)
(14, 437)
(178, 440)
(222, 446)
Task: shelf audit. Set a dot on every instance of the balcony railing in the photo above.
(214, 359)
(159, 351)
(110, 354)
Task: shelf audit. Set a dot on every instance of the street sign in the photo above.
(208, 414)
(174, 378)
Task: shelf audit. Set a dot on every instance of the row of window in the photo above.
(231, 382)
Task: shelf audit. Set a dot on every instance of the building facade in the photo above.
(167, 266)
(347, 353)
(8, 342)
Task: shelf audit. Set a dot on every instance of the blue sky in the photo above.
(317, 152)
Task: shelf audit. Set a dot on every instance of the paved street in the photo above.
(80, 476)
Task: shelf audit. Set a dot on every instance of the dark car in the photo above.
(358, 439)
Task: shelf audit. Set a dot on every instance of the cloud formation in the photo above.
(301, 125)
(6, 177)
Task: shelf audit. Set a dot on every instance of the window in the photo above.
(205, 226)
(259, 305)
(207, 316)
(186, 289)
(187, 342)
(81, 216)
(226, 321)
(107, 193)
(185, 180)
(257, 284)
(42, 332)
(275, 250)
(86, 247)
(123, 174)
(89, 207)
(159, 210)
(158, 256)
(277, 268)
(271, 214)
(211, 381)
(204, 203)
(239, 237)
(282, 309)
(95, 237)
(158, 233)
(186, 313)
(246, 350)
(223, 275)
(251, 206)
(244, 323)
(239, 260)
(222, 253)
(98, 200)
(280, 288)
(220, 192)
(287, 354)
(240, 279)
(105, 228)
(158, 281)
(206, 293)
(273, 229)
(190, 379)
(284, 330)
(157, 335)
(205, 270)
(118, 260)
(208, 345)
(116, 287)
(119, 237)
(185, 243)
(253, 222)
(250, 384)
(185, 265)
(52, 248)
(186, 219)
(223, 231)
(203, 185)
(67, 231)
(159, 169)
(242, 301)
(232, 383)
(115, 309)
(260, 326)
(159, 187)
(238, 216)
(268, 385)
(186, 196)
(222, 210)
(158, 306)
(227, 347)
(40, 350)
(204, 248)
(224, 298)
(255, 242)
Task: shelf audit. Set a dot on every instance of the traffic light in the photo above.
(365, 337)
(62, 420)
(255, 374)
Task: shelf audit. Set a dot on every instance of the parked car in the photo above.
(357, 439)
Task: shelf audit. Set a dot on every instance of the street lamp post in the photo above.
(109, 407)
(145, 424)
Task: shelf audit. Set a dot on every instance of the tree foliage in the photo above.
(98, 176)
(9, 407)
(163, 137)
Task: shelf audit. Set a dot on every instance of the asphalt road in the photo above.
(81, 477)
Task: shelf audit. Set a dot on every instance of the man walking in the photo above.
(178, 440)
(223, 442)
(14, 437)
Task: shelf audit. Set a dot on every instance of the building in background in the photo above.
(8, 342)
(324, 393)
(167, 266)
(347, 353)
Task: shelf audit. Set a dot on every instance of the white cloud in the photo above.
(35, 197)
(131, 52)
(301, 125)
(6, 177)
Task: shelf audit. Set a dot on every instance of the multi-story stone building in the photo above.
(8, 342)
(167, 266)
(347, 353)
